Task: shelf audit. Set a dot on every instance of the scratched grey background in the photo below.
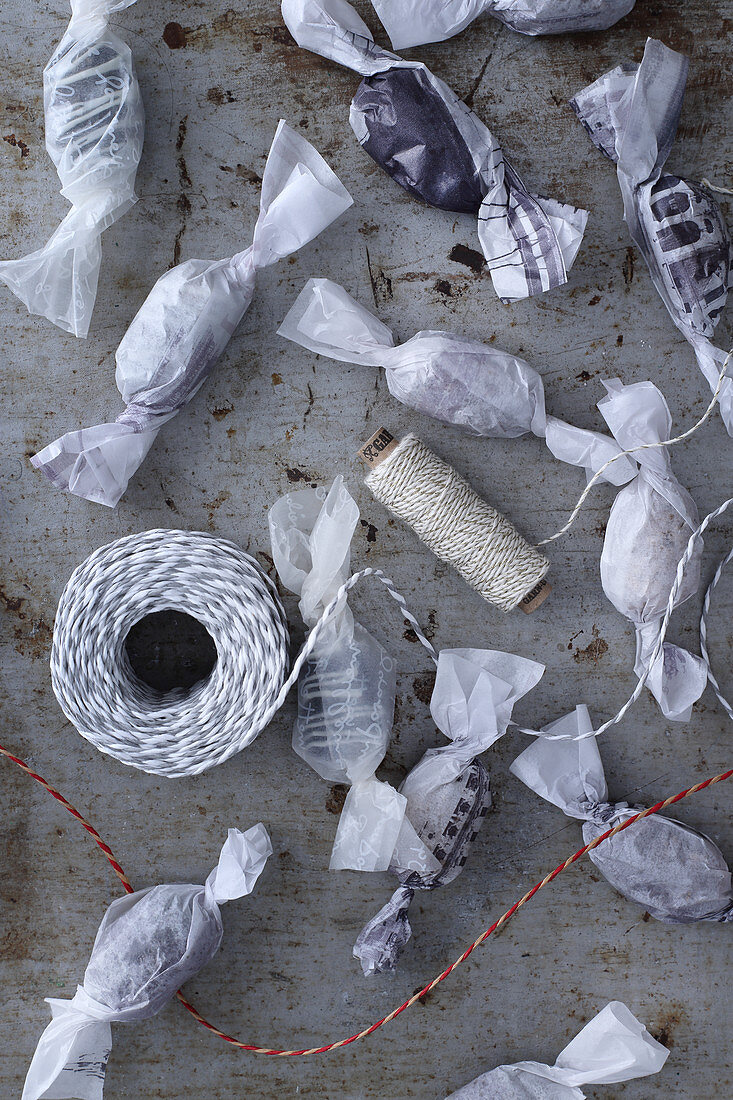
(215, 80)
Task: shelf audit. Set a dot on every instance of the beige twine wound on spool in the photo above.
(456, 524)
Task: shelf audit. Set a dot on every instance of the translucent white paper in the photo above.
(433, 145)
(346, 690)
(631, 113)
(448, 791)
(648, 530)
(416, 22)
(94, 136)
(183, 326)
(478, 388)
(148, 944)
(676, 874)
(612, 1047)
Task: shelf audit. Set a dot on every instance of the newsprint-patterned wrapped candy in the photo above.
(187, 320)
(647, 533)
(631, 114)
(612, 1047)
(677, 874)
(448, 791)
(346, 690)
(478, 388)
(433, 145)
(148, 944)
(415, 22)
(94, 135)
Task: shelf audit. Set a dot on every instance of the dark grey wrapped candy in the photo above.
(676, 873)
(433, 145)
(148, 944)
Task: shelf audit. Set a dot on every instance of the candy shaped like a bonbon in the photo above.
(675, 873)
(448, 791)
(148, 944)
(649, 526)
(416, 22)
(94, 136)
(612, 1047)
(187, 320)
(431, 143)
(631, 114)
(346, 690)
(478, 388)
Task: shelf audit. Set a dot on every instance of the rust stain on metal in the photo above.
(594, 651)
(17, 143)
(336, 798)
(174, 36)
(469, 257)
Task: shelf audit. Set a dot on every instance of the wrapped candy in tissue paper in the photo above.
(478, 388)
(186, 321)
(448, 791)
(612, 1047)
(346, 690)
(94, 135)
(676, 873)
(148, 945)
(431, 143)
(416, 22)
(647, 533)
(631, 113)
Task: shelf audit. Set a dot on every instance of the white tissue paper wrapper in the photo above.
(648, 530)
(448, 791)
(612, 1047)
(675, 873)
(94, 135)
(187, 320)
(478, 388)
(416, 22)
(433, 145)
(631, 114)
(346, 690)
(148, 944)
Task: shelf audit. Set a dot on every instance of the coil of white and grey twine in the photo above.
(179, 732)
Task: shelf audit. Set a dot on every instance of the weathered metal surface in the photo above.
(215, 81)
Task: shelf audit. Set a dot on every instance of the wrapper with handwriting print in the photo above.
(416, 22)
(346, 690)
(478, 388)
(94, 135)
(148, 944)
(647, 533)
(187, 320)
(631, 114)
(677, 874)
(612, 1047)
(448, 792)
(437, 149)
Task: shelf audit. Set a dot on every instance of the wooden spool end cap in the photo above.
(535, 597)
(377, 447)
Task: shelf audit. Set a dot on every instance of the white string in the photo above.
(641, 447)
(704, 635)
(715, 187)
(455, 523)
(681, 566)
(179, 732)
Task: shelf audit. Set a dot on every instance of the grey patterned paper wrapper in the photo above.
(417, 22)
(675, 873)
(430, 142)
(148, 944)
(448, 791)
(631, 114)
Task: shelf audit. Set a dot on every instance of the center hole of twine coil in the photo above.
(169, 649)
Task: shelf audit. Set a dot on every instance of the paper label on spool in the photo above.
(535, 597)
(377, 448)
